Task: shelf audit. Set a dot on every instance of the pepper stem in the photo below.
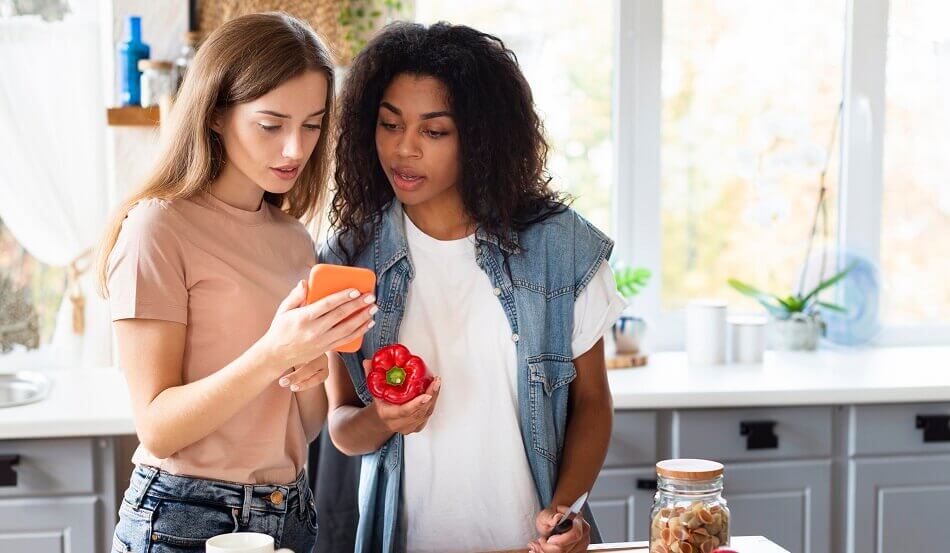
(395, 376)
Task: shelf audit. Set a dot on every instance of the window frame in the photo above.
(637, 140)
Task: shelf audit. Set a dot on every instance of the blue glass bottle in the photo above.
(130, 52)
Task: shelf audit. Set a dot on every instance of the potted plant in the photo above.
(628, 331)
(796, 319)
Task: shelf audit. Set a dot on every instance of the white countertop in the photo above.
(81, 402)
(94, 402)
(880, 375)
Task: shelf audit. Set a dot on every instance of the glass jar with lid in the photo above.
(157, 81)
(689, 513)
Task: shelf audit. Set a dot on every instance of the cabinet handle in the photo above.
(936, 427)
(8, 475)
(646, 484)
(759, 434)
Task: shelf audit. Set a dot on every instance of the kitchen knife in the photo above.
(568, 521)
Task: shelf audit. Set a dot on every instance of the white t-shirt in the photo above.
(468, 486)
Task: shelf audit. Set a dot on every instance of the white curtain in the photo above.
(53, 189)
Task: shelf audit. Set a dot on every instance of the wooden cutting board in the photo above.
(749, 544)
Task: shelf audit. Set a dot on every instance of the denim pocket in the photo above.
(312, 516)
(133, 529)
(181, 525)
(548, 378)
(119, 546)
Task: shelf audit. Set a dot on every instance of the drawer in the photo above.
(899, 429)
(49, 525)
(48, 467)
(752, 434)
(633, 441)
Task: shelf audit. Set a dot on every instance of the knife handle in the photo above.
(562, 527)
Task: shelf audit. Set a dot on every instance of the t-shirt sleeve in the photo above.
(596, 310)
(146, 271)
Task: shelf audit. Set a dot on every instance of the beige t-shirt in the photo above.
(222, 272)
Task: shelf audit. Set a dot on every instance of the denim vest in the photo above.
(536, 282)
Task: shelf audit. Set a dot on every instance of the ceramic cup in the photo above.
(242, 542)
(706, 332)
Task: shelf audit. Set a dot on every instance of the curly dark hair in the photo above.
(504, 182)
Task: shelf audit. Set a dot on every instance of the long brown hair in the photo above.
(240, 61)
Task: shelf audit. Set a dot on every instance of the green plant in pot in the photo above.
(628, 331)
(796, 319)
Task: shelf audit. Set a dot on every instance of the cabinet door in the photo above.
(48, 525)
(899, 504)
(621, 501)
(786, 502)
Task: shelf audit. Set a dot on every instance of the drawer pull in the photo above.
(759, 434)
(646, 484)
(936, 427)
(7, 471)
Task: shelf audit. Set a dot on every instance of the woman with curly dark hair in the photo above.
(487, 274)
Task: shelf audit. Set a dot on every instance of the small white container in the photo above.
(156, 81)
(747, 338)
(706, 332)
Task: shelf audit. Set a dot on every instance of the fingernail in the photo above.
(284, 381)
(371, 324)
(294, 388)
(370, 298)
(438, 384)
(373, 310)
(354, 294)
(425, 399)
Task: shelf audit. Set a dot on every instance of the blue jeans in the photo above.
(164, 513)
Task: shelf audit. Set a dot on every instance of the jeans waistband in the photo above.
(276, 498)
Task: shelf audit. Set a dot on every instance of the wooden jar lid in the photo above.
(689, 469)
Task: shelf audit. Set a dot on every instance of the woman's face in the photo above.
(269, 140)
(416, 139)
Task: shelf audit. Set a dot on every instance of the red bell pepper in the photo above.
(397, 376)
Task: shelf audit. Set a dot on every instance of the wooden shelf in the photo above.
(134, 116)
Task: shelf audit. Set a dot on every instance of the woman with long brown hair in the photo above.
(204, 270)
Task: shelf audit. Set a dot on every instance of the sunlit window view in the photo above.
(44, 283)
(915, 225)
(750, 92)
(565, 49)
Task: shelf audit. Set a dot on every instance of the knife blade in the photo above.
(568, 521)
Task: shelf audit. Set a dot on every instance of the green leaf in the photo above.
(828, 283)
(833, 307)
(764, 299)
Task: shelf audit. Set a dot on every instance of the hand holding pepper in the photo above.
(410, 417)
(398, 376)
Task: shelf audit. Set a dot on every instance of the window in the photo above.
(725, 112)
(915, 218)
(750, 92)
(44, 282)
(565, 50)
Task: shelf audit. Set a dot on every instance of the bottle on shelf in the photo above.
(184, 59)
(131, 52)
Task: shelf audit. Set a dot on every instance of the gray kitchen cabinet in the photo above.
(898, 495)
(57, 495)
(790, 502)
(899, 504)
(876, 480)
(48, 524)
(621, 503)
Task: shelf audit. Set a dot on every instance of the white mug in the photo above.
(706, 332)
(242, 542)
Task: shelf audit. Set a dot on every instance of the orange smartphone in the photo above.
(327, 279)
